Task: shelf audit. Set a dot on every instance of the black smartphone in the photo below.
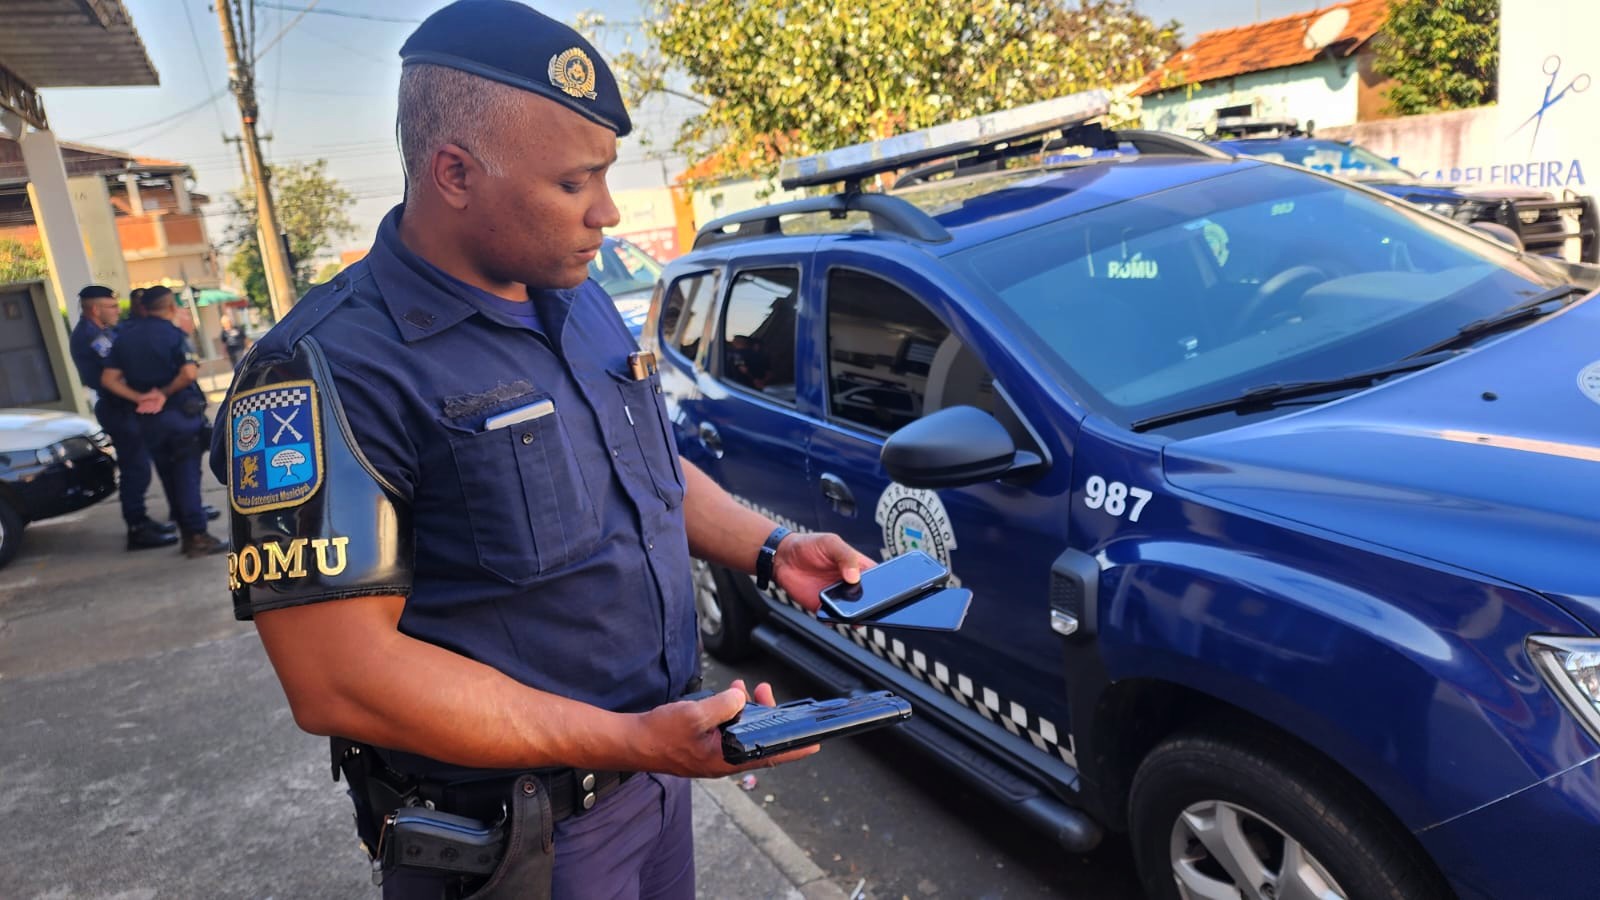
(941, 610)
(884, 586)
(762, 731)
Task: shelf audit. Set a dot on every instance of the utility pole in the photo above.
(241, 78)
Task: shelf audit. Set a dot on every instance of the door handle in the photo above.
(710, 439)
(838, 494)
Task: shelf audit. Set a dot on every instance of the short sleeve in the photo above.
(313, 518)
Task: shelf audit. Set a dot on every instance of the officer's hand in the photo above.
(682, 738)
(807, 563)
(151, 403)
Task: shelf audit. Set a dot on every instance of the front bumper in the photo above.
(1538, 842)
(64, 487)
(1548, 227)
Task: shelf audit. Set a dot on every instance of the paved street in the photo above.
(873, 808)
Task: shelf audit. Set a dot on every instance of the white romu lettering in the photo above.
(276, 560)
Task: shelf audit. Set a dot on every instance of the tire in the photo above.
(1287, 803)
(725, 620)
(11, 526)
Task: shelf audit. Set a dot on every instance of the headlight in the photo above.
(1571, 667)
(1443, 208)
(54, 453)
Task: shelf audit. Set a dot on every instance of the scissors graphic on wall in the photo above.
(1552, 67)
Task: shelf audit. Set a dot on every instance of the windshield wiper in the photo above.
(1265, 396)
(1535, 307)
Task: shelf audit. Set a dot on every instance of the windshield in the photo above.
(1332, 157)
(1264, 274)
(622, 268)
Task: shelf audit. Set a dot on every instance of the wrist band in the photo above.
(769, 552)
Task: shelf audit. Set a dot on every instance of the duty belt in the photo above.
(572, 792)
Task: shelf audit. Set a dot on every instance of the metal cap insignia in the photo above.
(573, 73)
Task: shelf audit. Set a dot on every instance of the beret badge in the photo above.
(573, 72)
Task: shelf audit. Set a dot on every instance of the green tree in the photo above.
(1442, 54)
(312, 209)
(789, 77)
(327, 272)
(21, 262)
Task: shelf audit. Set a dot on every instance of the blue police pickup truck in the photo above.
(1531, 218)
(1278, 497)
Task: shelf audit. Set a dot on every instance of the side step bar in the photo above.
(1071, 828)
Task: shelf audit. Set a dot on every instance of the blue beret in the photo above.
(514, 44)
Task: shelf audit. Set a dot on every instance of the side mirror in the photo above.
(956, 446)
(1500, 233)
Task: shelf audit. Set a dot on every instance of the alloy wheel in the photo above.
(1223, 851)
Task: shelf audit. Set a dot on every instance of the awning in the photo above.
(66, 43)
(211, 296)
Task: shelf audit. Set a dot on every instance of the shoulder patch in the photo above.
(274, 447)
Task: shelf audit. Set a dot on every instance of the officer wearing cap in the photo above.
(459, 520)
(90, 345)
(151, 368)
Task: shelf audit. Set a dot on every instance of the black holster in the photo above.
(527, 860)
(526, 870)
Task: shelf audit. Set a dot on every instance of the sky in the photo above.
(326, 85)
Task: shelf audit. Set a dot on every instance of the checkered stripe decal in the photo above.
(1012, 716)
(270, 400)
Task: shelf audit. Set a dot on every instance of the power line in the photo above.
(343, 14)
(205, 68)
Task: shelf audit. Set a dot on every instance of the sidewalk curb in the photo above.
(807, 877)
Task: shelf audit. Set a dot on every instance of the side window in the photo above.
(683, 316)
(758, 332)
(891, 361)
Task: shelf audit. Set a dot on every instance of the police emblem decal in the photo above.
(1589, 381)
(914, 519)
(573, 73)
(276, 458)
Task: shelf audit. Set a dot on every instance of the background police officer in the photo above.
(90, 344)
(151, 367)
(478, 561)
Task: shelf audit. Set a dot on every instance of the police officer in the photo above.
(151, 367)
(90, 345)
(460, 524)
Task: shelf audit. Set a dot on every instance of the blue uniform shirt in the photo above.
(91, 346)
(552, 549)
(150, 352)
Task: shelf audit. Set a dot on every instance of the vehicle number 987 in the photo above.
(1116, 498)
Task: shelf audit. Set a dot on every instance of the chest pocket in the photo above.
(530, 509)
(647, 413)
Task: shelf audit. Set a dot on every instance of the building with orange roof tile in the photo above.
(1311, 66)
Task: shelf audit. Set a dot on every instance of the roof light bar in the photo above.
(899, 152)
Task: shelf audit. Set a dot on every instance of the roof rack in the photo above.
(1093, 136)
(892, 215)
(852, 165)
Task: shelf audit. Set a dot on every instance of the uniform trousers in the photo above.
(173, 439)
(121, 424)
(636, 844)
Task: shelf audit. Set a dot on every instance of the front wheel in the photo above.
(725, 622)
(1217, 818)
(11, 526)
